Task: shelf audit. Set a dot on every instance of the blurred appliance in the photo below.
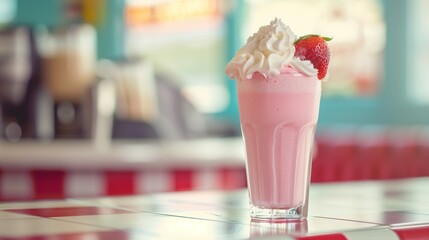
(17, 59)
(137, 107)
(68, 71)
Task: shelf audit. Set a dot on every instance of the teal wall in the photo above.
(110, 34)
(39, 12)
(234, 21)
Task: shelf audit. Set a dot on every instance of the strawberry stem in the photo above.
(328, 38)
(312, 35)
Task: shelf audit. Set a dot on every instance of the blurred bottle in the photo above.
(104, 94)
(68, 73)
(68, 62)
(15, 64)
(137, 111)
(15, 73)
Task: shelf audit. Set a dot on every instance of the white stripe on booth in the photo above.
(84, 184)
(206, 179)
(153, 181)
(16, 185)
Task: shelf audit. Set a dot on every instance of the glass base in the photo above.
(276, 215)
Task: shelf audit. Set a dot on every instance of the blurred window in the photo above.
(184, 39)
(418, 58)
(379, 55)
(7, 11)
(358, 29)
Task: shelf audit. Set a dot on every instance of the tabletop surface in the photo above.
(397, 209)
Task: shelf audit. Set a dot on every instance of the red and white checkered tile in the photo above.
(190, 215)
(89, 222)
(395, 210)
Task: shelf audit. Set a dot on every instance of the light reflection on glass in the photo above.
(269, 229)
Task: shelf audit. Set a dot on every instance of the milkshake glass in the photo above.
(278, 78)
(278, 120)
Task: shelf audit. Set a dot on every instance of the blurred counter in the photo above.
(126, 154)
(59, 169)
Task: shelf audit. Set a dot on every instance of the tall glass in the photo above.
(278, 121)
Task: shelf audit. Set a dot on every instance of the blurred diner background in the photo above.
(122, 97)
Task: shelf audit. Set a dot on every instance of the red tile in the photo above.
(107, 235)
(182, 179)
(67, 211)
(413, 232)
(120, 182)
(48, 183)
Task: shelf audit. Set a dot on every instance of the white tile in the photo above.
(39, 204)
(313, 225)
(42, 226)
(167, 227)
(118, 202)
(118, 221)
(8, 215)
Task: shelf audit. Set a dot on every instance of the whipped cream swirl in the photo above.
(267, 52)
(304, 66)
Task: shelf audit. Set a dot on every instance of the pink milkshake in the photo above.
(278, 119)
(278, 86)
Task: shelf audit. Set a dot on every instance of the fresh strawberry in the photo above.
(315, 49)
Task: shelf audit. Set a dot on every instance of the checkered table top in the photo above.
(396, 210)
